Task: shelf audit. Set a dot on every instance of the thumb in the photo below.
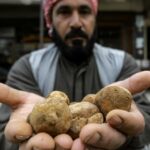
(136, 83)
(10, 96)
(130, 123)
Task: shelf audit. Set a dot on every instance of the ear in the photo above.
(50, 31)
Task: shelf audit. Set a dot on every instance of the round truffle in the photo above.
(82, 114)
(113, 97)
(52, 116)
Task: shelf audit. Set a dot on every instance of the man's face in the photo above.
(74, 21)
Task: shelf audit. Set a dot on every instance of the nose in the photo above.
(75, 21)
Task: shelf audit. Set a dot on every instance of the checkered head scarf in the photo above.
(49, 4)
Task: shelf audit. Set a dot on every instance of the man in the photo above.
(76, 65)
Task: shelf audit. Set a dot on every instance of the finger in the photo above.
(63, 142)
(102, 136)
(136, 83)
(41, 141)
(78, 145)
(10, 96)
(18, 129)
(130, 123)
(21, 131)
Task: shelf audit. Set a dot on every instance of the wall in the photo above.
(122, 5)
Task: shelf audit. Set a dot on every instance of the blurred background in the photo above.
(123, 24)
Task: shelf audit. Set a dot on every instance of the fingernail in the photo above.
(34, 148)
(93, 139)
(22, 138)
(115, 121)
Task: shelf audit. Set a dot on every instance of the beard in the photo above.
(77, 53)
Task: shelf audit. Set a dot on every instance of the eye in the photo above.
(85, 10)
(64, 10)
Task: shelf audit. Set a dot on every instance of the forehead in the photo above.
(73, 3)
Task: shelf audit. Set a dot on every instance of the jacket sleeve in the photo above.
(20, 77)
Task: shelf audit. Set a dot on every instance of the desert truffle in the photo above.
(90, 98)
(113, 97)
(82, 114)
(52, 116)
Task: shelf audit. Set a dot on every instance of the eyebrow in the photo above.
(66, 6)
(63, 8)
(85, 7)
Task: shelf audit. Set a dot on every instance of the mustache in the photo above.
(76, 33)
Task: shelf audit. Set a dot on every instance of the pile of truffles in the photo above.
(56, 115)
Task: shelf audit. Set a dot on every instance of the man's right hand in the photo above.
(18, 130)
